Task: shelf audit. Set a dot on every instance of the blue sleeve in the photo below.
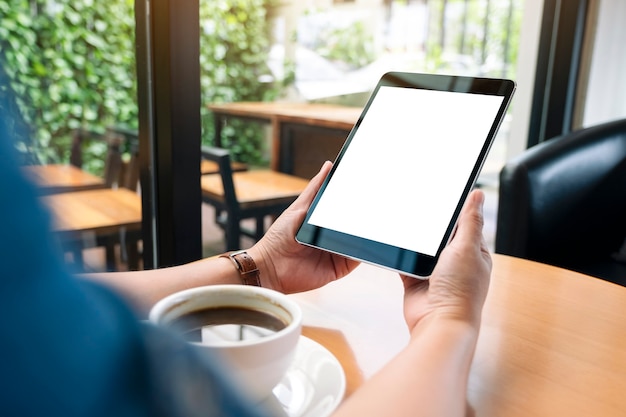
(71, 348)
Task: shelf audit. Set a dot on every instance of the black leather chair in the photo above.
(563, 202)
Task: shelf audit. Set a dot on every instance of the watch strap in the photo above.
(246, 266)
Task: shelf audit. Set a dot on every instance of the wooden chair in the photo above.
(128, 175)
(117, 174)
(252, 194)
(129, 178)
(113, 159)
(210, 167)
(130, 135)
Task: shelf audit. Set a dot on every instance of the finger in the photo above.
(471, 222)
(307, 195)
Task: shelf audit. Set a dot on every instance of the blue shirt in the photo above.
(72, 348)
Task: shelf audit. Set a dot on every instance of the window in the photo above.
(339, 51)
(602, 84)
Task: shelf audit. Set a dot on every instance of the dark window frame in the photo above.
(558, 67)
(168, 73)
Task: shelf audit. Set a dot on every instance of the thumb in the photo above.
(470, 226)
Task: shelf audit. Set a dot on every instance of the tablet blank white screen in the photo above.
(406, 167)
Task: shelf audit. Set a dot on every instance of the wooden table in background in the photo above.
(88, 218)
(99, 211)
(56, 178)
(304, 135)
(552, 343)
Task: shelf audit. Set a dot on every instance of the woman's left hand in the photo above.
(289, 266)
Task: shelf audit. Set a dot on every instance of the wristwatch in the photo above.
(246, 266)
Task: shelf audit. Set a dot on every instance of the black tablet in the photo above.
(398, 184)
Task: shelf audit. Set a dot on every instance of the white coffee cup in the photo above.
(259, 362)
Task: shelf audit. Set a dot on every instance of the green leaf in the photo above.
(95, 41)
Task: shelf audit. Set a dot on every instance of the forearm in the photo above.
(428, 378)
(144, 288)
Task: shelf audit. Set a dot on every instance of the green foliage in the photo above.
(72, 63)
(234, 45)
(352, 45)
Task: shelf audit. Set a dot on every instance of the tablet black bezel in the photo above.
(398, 259)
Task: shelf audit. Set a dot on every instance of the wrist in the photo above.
(245, 265)
(264, 264)
(452, 325)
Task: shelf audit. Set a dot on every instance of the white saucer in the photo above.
(313, 386)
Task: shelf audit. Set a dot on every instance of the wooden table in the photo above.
(96, 218)
(56, 178)
(102, 210)
(553, 342)
(304, 135)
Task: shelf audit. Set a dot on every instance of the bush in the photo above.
(72, 63)
(234, 45)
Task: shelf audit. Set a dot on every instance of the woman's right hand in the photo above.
(459, 283)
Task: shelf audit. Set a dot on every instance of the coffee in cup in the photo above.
(256, 329)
